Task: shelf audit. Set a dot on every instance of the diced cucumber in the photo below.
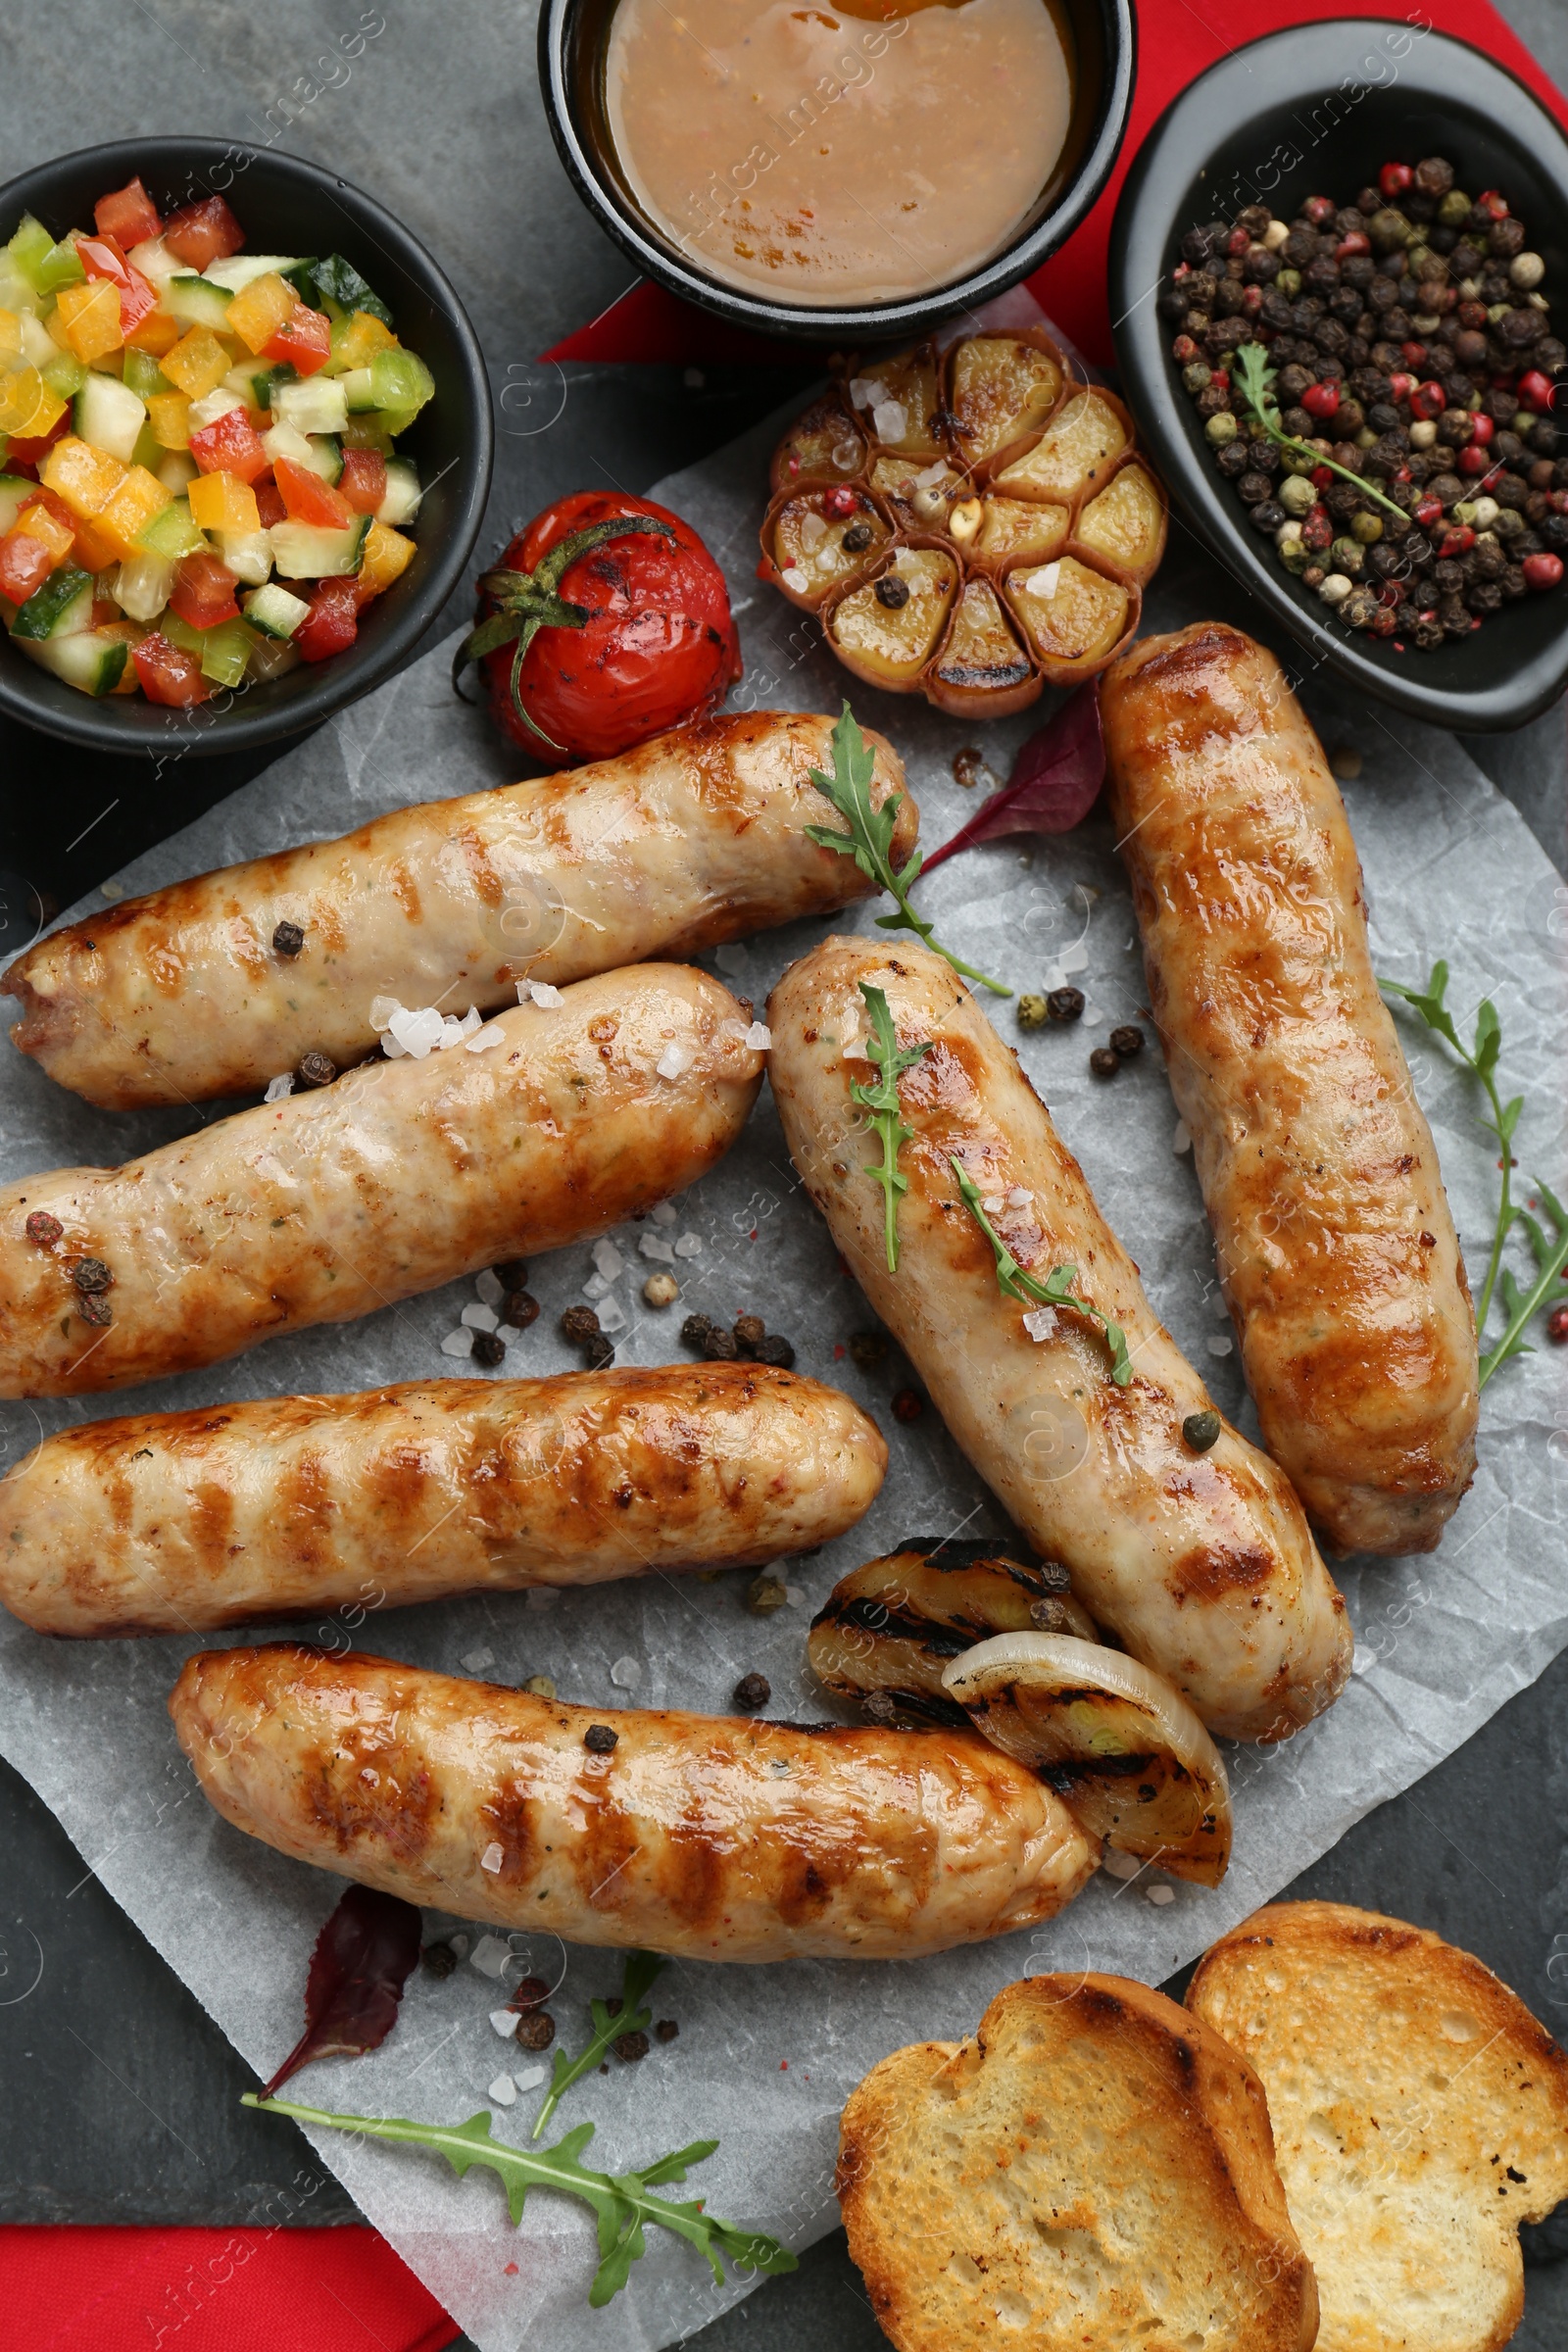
(286, 441)
(381, 426)
(357, 392)
(175, 469)
(173, 533)
(149, 450)
(285, 372)
(91, 661)
(310, 551)
(248, 555)
(367, 432)
(17, 291)
(61, 607)
(64, 374)
(226, 653)
(400, 380)
(326, 456)
(109, 416)
(315, 406)
(245, 382)
(403, 493)
(277, 611)
(211, 406)
(181, 634)
(195, 303)
(143, 374)
(141, 585)
(156, 263)
(301, 276)
(242, 270)
(15, 491)
(39, 346)
(30, 248)
(337, 282)
(270, 656)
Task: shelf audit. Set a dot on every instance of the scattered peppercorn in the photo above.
(92, 1308)
(518, 1308)
(528, 1992)
(749, 1333)
(287, 940)
(892, 593)
(1127, 1041)
(719, 1346)
(775, 1350)
(438, 1960)
(91, 1274)
(536, 2031)
(1200, 1430)
(600, 1739)
(661, 1290)
(315, 1070)
(968, 766)
(1065, 1004)
(540, 1686)
(751, 1692)
(695, 1330)
(512, 1274)
(489, 1348)
(858, 538)
(1033, 1013)
(1557, 1324)
(629, 2047)
(43, 1229)
(667, 2029)
(600, 1351)
(880, 1705)
(907, 1406)
(1104, 1062)
(580, 1325)
(867, 1349)
(764, 1594)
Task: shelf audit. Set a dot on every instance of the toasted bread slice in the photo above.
(1420, 2115)
(1092, 2169)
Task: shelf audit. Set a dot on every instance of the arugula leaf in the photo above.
(1055, 1291)
(882, 1102)
(621, 2201)
(1252, 372)
(1550, 1256)
(870, 839)
(628, 2017)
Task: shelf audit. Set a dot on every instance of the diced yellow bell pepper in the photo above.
(357, 340)
(221, 501)
(28, 408)
(85, 478)
(89, 316)
(196, 363)
(258, 311)
(39, 523)
(386, 556)
(169, 413)
(157, 334)
(140, 496)
(10, 339)
(93, 549)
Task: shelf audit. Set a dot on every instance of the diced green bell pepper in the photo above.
(401, 380)
(61, 267)
(30, 248)
(64, 374)
(226, 652)
(173, 533)
(180, 633)
(142, 374)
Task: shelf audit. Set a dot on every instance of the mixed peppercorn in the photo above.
(1409, 469)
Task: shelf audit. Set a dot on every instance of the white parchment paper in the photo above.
(766, 2055)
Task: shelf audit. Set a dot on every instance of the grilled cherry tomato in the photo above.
(605, 621)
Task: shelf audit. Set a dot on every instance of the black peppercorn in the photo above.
(1065, 1004)
(629, 2047)
(749, 1333)
(719, 1346)
(751, 1692)
(580, 1325)
(892, 593)
(1104, 1062)
(867, 1349)
(438, 1959)
(512, 1273)
(600, 1739)
(91, 1274)
(315, 1070)
(93, 1309)
(695, 1330)
(287, 939)
(856, 539)
(518, 1309)
(776, 1350)
(667, 2029)
(489, 1348)
(600, 1351)
(537, 2030)
(1127, 1041)
(1254, 488)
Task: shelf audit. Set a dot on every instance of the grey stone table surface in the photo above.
(121, 2098)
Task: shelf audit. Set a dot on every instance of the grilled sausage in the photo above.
(172, 1523)
(710, 1837)
(319, 1207)
(1200, 1562)
(691, 840)
(1337, 1252)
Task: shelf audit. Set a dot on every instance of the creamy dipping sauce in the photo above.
(838, 155)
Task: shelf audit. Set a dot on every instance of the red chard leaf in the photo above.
(1055, 781)
(364, 1957)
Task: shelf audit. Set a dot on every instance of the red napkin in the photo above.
(213, 2290)
(1175, 44)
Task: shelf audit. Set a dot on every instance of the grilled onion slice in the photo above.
(1111, 1737)
(888, 1629)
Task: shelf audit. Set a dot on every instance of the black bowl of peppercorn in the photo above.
(1338, 328)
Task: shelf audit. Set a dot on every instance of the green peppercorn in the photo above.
(1220, 430)
(1297, 494)
(1455, 210)
(1197, 377)
(1368, 528)
(1033, 1013)
(1200, 1430)
(1348, 556)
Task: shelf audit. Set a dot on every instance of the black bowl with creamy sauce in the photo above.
(901, 162)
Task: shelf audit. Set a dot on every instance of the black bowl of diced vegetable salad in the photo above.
(1453, 152)
(245, 445)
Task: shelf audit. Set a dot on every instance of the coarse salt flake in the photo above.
(1019, 1197)
(1041, 1324)
(539, 992)
(483, 1038)
(813, 530)
(541, 1596)
(1043, 583)
(595, 1287)
(479, 1317)
(929, 476)
(608, 1259)
(418, 1033)
(457, 1342)
(759, 1037)
(474, 1661)
(674, 1060)
(490, 1954)
(627, 1673)
(1160, 1894)
(488, 1287)
(1218, 1343)
(794, 577)
(890, 420)
(502, 2092)
(279, 1088)
(994, 1204)
(1121, 1865)
(666, 1213)
(1182, 1140)
(1074, 958)
(654, 1245)
(689, 1245)
(492, 1857)
(863, 390)
(611, 1315)
(504, 2022)
(381, 1010)
(528, 2077)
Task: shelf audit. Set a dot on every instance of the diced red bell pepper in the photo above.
(269, 502)
(168, 674)
(24, 454)
(101, 257)
(203, 593)
(230, 444)
(204, 233)
(128, 215)
(308, 498)
(362, 480)
(305, 338)
(25, 565)
(334, 623)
